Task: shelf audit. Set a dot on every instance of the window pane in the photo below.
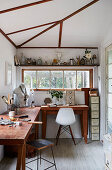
(30, 79)
(57, 79)
(43, 79)
(109, 100)
(110, 71)
(110, 85)
(109, 120)
(82, 79)
(110, 57)
(70, 79)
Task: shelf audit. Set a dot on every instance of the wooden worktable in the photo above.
(18, 135)
(82, 110)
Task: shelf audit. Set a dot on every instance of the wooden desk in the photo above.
(18, 135)
(82, 110)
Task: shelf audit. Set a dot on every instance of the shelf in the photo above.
(95, 65)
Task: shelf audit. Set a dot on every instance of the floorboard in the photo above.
(68, 157)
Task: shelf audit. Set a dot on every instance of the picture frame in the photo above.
(8, 74)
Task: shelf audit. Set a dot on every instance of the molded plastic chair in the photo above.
(65, 118)
(39, 145)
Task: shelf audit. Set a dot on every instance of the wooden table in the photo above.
(82, 110)
(18, 135)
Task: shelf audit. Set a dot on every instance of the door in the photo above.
(109, 89)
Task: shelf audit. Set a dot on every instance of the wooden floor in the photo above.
(68, 157)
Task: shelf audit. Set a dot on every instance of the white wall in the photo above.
(105, 43)
(7, 52)
(49, 55)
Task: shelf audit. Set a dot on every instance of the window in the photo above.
(57, 79)
(70, 79)
(82, 79)
(43, 78)
(30, 79)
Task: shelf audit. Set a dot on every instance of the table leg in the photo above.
(85, 124)
(81, 122)
(23, 156)
(36, 130)
(19, 159)
(44, 120)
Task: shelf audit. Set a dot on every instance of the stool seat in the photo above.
(40, 144)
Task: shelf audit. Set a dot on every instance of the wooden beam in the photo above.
(39, 34)
(7, 38)
(69, 16)
(64, 47)
(24, 6)
(26, 29)
(60, 34)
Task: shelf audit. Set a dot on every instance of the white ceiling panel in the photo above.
(39, 14)
(21, 37)
(86, 28)
(48, 39)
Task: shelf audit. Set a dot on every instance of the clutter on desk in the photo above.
(26, 120)
(18, 123)
(47, 100)
(22, 117)
(6, 122)
(52, 105)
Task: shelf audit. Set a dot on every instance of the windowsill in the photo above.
(54, 89)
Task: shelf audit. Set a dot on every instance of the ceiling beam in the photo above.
(69, 16)
(60, 34)
(30, 28)
(24, 6)
(63, 47)
(1, 31)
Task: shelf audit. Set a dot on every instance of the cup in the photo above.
(11, 114)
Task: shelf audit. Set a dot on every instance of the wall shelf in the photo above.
(95, 65)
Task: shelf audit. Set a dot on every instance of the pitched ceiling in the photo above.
(86, 28)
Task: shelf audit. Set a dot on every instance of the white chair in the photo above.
(65, 118)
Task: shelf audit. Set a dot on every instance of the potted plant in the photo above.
(56, 94)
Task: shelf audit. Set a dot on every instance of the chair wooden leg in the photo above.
(72, 135)
(58, 134)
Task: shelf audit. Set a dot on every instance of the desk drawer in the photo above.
(95, 136)
(70, 92)
(95, 114)
(95, 99)
(70, 102)
(95, 129)
(94, 107)
(95, 122)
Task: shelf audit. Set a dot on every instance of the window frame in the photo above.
(63, 89)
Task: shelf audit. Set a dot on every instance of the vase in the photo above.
(54, 100)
